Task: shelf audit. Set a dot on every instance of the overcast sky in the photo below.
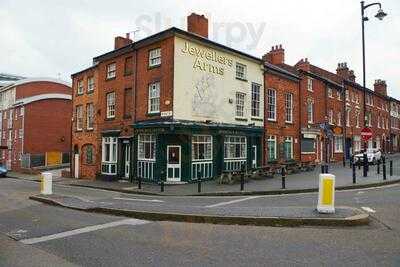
(55, 38)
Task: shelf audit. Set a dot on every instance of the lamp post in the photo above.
(380, 15)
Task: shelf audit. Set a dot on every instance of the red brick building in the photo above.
(36, 123)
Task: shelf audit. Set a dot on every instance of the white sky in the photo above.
(57, 38)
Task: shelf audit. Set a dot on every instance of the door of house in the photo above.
(127, 165)
(76, 165)
(173, 163)
(254, 162)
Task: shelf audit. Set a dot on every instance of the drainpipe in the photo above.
(299, 123)
(345, 123)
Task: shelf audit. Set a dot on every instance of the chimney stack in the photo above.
(342, 70)
(380, 87)
(275, 56)
(120, 41)
(197, 24)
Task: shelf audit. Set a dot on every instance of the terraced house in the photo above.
(174, 105)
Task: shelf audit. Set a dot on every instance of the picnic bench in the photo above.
(233, 176)
(266, 171)
(291, 167)
(308, 166)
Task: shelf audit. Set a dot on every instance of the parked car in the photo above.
(3, 170)
(374, 156)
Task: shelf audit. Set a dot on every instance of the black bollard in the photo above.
(322, 168)
(162, 181)
(354, 174)
(242, 178)
(284, 177)
(391, 167)
(199, 182)
(140, 182)
(365, 164)
(384, 168)
(378, 166)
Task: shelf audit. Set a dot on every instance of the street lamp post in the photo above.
(380, 15)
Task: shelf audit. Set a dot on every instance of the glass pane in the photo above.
(173, 155)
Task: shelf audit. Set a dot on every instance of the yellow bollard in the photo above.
(326, 193)
(46, 183)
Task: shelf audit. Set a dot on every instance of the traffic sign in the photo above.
(366, 134)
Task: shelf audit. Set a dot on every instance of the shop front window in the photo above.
(271, 147)
(109, 155)
(202, 147)
(146, 147)
(288, 148)
(235, 147)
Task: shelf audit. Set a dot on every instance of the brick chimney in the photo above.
(197, 24)
(380, 87)
(122, 41)
(275, 56)
(303, 64)
(342, 70)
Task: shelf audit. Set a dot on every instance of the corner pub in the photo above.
(174, 106)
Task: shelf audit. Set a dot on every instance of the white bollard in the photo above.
(326, 193)
(46, 184)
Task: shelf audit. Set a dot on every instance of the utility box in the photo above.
(46, 183)
(326, 193)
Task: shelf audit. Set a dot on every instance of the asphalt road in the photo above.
(34, 234)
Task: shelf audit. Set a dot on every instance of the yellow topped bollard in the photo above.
(46, 183)
(326, 193)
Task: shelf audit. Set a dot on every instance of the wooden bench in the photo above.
(232, 177)
(308, 166)
(291, 167)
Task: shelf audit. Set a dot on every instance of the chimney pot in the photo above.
(197, 24)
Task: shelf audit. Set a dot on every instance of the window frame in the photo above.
(90, 82)
(272, 139)
(255, 100)
(89, 116)
(271, 101)
(240, 101)
(154, 98)
(207, 143)
(79, 117)
(111, 71)
(80, 87)
(288, 108)
(110, 105)
(144, 139)
(241, 71)
(155, 59)
(235, 142)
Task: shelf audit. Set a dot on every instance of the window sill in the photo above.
(256, 119)
(307, 153)
(79, 94)
(109, 119)
(288, 122)
(90, 92)
(272, 120)
(240, 119)
(153, 114)
(79, 131)
(241, 79)
(89, 129)
(153, 67)
(111, 78)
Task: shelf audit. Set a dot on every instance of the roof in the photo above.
(31, 80)
(278, 69)
(7, 79)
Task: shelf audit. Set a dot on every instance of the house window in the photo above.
(155, 57)
(307, 145)
(146, 147)
(357, 119)
(347, 95)
(21, 111)
(240, 104)
(128, 102)
(330, 93)
(310, 84)
(331, 116)
(89, 159)
(154, 97)
(128, 66)
(357, 143)
(110, 105)
(111, 70)
(21, 133)
(271, 147)
(271, 104)
(109, 155)
(339, 95)
(339, 119)
(255, 100)
(79, 118)
(348, 117)
(80, 87)
(235, 147)
(241, 71)
(310, 112)
(289, 107)
(369, 119)
(90, 82)
(379, 122)
(338, 144)
(202, 147)
(288, 148)
(89, 116)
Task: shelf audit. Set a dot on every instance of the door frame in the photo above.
(180, 164)
(126, 156)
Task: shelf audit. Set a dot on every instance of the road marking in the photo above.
(87, 229)
(138, 199)
(368, 209)
(231, 202)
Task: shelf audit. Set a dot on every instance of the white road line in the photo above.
(368, 209)
(138, 199)
(87, 229)
(231, 202)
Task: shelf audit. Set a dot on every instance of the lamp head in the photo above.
(380, 15)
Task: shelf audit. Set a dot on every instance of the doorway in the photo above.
(173, 163)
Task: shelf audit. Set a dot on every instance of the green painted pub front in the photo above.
(182, 151)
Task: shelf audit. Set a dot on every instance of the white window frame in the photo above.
(155, 57)
(232, 142)
(338, 145)
(310, 112)
(207, 142)
(79, 117)
(347, 117)
(89, 116)
(21, 133)
(109, 161)
(110, 101)
(241, 71)
(271, 96)
(289, 139)
(143, 141)
(270, 139)
(339, 118)
(310, 84)
(111, 70)
(289, 108)
(330, 116)
(154, 98)
(90, 81)
(80, 89)
(240, 104)
(330, 92)
(255, 99)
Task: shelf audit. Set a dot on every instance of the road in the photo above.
(34, 234)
